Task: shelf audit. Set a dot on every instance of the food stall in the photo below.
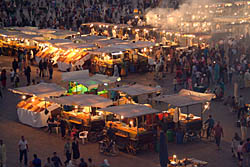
(81, 111)
(128, 93)
(128, 56)
(34, 110)
(106, 29)
(188, 123)
(66, 54)
(133, 131)
(81, 82)
(104, 59)
(12, 41)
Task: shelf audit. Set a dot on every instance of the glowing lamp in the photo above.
(119, 79)
(175, 158)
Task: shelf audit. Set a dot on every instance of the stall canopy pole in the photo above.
(152, 119)
(201, 112)
(105, 117)
(137, 124)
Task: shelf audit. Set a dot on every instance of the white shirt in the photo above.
(12, 74)
(23, 144)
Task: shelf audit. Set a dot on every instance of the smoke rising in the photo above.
(197, 16)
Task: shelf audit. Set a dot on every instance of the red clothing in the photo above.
(218, 131)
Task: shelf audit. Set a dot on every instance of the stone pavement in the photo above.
(44, 144)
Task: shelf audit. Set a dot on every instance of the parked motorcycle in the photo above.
(108, 147)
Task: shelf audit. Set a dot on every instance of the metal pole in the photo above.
(201, 112)
(137, 124)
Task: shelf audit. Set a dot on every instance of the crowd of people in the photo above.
(205, 66)
(69, 14)
(71, 152)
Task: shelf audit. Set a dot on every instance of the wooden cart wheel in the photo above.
(131, 149)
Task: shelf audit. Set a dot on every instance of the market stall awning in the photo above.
(74, 75)
(7, 33)
(82, 100)
(130, 110)
(78, 46)
(185, 98)
(41, 90)
(59, 41)
(136, 90)
(108, 50)
(107, 42)
(89, 39)
(60, 34)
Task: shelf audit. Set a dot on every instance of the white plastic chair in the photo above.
(57, 129)
(83, 135)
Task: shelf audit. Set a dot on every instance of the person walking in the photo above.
(15, 65)
(235, 142)
(27, 73)
(240, 153)
(40, 65)
(2, 154)
(63, 127)
(243, 127)
(12, 76)
(50, 67)
(23, 150)
(20, 60)
(36, 162)
(67, 151)
(75, 149)
(218, 130)
(56, 160)
(16, 80)
(90, 163)
(246, 152)
(175, 84)
(82, 163)
(210, 122)
(45, 67)
(3, 78)
(49, 163)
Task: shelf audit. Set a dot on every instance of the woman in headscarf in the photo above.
(75, 149)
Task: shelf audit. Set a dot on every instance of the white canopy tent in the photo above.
(59, 42)
(136, 90)
(108, 50)
(41, 90)
(60, 34)
(107, 42)
(83, 100)
(130, 110)
(89, 39)
(185, 98)
(74, 75)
